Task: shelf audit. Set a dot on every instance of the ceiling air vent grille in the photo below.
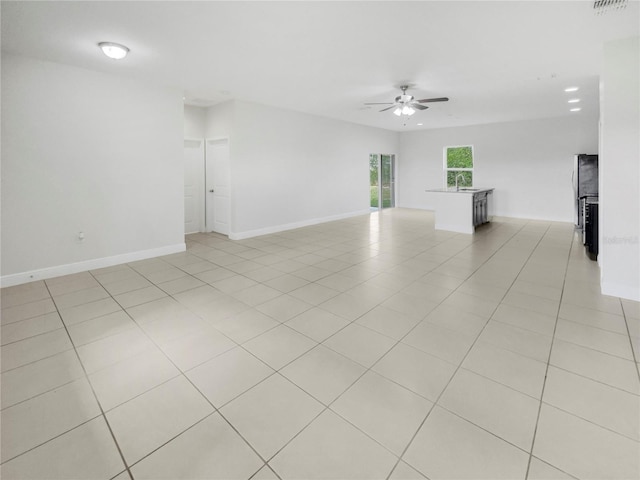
(601, 7)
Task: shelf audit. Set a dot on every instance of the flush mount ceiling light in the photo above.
(571, 89)
(114, 50)
(575, 109)
(573, 100)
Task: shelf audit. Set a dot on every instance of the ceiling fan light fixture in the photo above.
(407, 110)
(397, 111)
(114, 50)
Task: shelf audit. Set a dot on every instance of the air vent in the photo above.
(600, 7)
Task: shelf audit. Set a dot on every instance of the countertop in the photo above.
(462, 190)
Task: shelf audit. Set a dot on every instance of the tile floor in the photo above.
(372, 347)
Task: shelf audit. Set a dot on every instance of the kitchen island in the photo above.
(462, 210)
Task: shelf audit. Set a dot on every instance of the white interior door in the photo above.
(217, 186)
(193, 186)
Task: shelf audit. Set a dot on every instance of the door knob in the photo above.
(211, 191)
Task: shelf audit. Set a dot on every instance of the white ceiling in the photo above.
(496, 61)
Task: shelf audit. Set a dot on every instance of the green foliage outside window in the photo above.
(459, 161)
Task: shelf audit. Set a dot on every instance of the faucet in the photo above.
(457, 176)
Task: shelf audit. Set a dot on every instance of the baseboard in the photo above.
(291, 226)
(59, 270)
(622, 291)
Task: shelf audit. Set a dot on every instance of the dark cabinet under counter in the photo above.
(590, 232)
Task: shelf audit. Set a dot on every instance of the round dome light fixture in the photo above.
(114, 50)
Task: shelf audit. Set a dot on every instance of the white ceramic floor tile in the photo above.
(27, 310)
(279, 346)
(80, 297)
(30, 327)
(35, 348)
(33, 422)
(330, 448)
(446, 344)
(130, 377)
(388, 321)
(502, 411)
(38, 377)
(138, 297)
(323, 373)
(504, 366)
(518, 340)
(593, 318)
(228, 375)
(539, 470)
(148, 421)
(90, 310)
(211, 449)
(101, 327)
(103, 353)
(246, 325)
(416, 370)
(257, 294)
(601, 404)
(605, 368)
(194, 349)
(271, 413)
(448, 447)
(387, 412)
(526, 319)
(87, 451)
(405, 472)
(317, 323)
(595, 338)
(584, 449)
(455, 319)
(283, 308)
(348, 306)
(360, 344)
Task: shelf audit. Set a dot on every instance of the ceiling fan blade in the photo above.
(441, 99)
(384, 103)
(418, 106)
(388, 108)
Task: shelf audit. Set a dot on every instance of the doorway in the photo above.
(217, 186)
(382, 181)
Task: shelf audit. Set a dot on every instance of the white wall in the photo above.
(529, 163)
(290, 169)
(219, 120)
(194, 122)
(85, 151)
(619, 208)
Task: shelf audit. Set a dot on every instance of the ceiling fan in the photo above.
(406, 105)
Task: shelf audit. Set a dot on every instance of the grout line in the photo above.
(546, 373)
(436, 403)
(633, 352)
(95, 396)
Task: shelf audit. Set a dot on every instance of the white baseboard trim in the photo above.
(68, 269)
(291, 226)
(622, 291)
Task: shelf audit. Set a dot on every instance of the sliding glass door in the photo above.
(382, 181)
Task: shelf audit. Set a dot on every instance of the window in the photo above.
(458, 162)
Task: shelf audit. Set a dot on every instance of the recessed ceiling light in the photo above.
(575, 109)
(114, 50)
(420, 124)
(571, 89)
(573, 100)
